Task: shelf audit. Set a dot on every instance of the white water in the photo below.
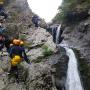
(57, 34)
(73, 79)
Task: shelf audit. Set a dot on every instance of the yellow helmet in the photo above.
(16, 42)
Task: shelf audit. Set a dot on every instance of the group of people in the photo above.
(14, 47)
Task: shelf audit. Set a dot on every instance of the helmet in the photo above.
(16, 42)
(21, 43)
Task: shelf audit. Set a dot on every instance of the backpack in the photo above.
(16, 60)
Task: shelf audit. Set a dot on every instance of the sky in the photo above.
(46, 9)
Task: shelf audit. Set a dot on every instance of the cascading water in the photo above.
(58, 34)
(73, 79)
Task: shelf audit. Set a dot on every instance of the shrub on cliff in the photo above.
(46, 50)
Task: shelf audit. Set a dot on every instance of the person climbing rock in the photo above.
(17, 54)
(35, 20)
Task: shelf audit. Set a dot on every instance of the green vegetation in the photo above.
(70, 6)
(46, 51)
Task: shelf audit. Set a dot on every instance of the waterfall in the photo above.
(58, 34)
(73, 79)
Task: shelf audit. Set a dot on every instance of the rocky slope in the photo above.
(19, 17)
(19, 11)
(46, 71)
(48, 68)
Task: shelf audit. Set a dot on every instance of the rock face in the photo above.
(78, 36)
(19, 17)
(49, 74)
(39, 38)
(19, 11)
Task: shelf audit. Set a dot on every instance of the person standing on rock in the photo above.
(35, 20)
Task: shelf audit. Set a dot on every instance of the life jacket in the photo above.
(16, 50)
(16, 60)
